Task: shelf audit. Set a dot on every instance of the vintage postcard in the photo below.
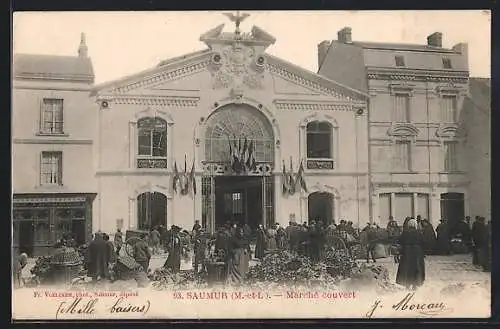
(239, 165)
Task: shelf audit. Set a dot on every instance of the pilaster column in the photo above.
(415, 204)
(393, 204)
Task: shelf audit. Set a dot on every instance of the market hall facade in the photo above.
(229, 133)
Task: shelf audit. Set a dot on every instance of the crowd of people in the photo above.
(231, 245)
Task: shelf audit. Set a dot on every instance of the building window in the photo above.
(446, 63)
(400, 60)
(51, 168)
(401, 108)
(449, 108)
(403, 206)
(233, 203)
(450, 156)
(152, 137)
(402, 155)
(319, 140)
(52, 116)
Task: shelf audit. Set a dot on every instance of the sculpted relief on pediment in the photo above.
(237, 66)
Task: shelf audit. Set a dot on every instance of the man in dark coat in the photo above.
(429, 236)
(111, 249)
(260, 242)
(479, 239)
(463, 231)
(196, 227)
(98, 258)
(142, 254)
(487, 251)
(411, 269)
(444, 237)
(173, 262)
(154, 240)
(200, 246)
(281, 237)
(118, 240)
(393, 229)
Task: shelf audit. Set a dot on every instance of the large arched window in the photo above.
(230, 126)
(152, 137)
(319, 140)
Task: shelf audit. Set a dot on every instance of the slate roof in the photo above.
(401, 46)
(53, 67)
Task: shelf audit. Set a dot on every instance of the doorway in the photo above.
(320, 207)
(152, 210)
(452, 207)
(238, 199)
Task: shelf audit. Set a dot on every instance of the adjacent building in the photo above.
(232, 133)
(477, 115)
(53, 121)
(418, 131)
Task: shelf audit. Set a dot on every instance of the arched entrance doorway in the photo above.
(239, 155)
(320, 207)
(151, 210)
(453, 207)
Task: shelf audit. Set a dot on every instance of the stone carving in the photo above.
(236, 66)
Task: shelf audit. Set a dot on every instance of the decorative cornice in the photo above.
(403, 129)
(55, 77)
(316, 106)
(150, 100)
(380, 185)
(43, 140)
(299, 80)
(164, 76)
(418, 75)
(450, 131)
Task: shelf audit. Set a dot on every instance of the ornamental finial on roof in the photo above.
(237, 19)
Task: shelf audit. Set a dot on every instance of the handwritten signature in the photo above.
(86, 306)
(406, 304)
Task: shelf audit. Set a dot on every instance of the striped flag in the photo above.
(192, 178)
(285, 180)
(291, 179)
(300, 177)
(175, 178)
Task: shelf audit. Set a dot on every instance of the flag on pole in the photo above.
(192, 178)
(292, 182)
(175, 178)
(285, 180)
(244, 151)
(248, 163)
(300, 177)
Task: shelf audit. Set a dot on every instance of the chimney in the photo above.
(322, 51)
(461, 48)
(435, 40)
(345, 35)
(83, 50)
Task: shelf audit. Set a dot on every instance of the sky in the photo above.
(124, 43)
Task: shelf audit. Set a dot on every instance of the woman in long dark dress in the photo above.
(411, 269)
(238, 258)
(260, 242)
(173, 261)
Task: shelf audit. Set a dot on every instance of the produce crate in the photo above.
(64, 274)
(217, 272)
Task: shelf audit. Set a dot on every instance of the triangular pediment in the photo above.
(187, 75)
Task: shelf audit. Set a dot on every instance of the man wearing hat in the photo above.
(444, 237)
(142, 254)
(200, 246)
